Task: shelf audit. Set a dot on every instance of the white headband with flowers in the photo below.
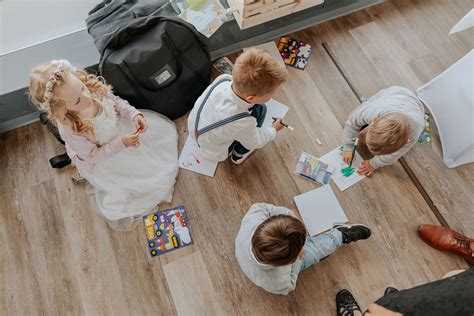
(62, 65)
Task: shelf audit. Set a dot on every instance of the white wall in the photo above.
(34, 32)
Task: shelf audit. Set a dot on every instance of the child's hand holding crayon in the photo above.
(140, 124)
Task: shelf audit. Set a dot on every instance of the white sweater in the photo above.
(224, 103)
(391, 100)
(277, 280)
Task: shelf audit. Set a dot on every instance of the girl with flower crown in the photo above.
(129, 156)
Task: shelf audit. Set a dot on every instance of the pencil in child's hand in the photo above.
(287, 126)
(353, 152)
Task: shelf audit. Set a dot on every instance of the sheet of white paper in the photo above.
(334, 159)
(270, 48)
(274, 109)
(466, 22)
(191, 159)
(320, 209)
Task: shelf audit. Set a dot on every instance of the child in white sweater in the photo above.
(227, 118)
(388, 125)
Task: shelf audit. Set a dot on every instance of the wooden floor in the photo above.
(58, 256)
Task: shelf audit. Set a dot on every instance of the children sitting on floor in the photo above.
(387, 125)
(227, 118)
(272, 247)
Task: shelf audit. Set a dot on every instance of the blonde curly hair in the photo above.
(41, 93)
(388, 134)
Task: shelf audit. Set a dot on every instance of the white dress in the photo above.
(133, 181)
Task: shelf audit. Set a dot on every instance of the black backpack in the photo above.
(154, 62)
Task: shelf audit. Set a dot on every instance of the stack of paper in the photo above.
(320, 209)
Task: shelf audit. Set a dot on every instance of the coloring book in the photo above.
(167, 230)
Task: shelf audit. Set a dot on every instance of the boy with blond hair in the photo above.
(272, 247)
(227, 118)
(387, 125)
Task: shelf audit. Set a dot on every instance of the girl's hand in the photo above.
(365, 169)
(131, 140)
(140, 123)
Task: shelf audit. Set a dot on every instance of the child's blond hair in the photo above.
(56, 108)
(279, 240)
(256, 72)
(388, 134)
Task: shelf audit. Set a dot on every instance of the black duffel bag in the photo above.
(155, 62)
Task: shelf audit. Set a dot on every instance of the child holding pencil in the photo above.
(387, 126)
(227, 119)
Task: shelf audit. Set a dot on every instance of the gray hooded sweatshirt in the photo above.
(277, 280)
(391, 100)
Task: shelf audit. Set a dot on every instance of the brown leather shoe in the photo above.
(446, 239)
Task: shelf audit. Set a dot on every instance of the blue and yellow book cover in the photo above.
(167, 230)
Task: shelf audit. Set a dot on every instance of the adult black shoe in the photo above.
(390, 290)
(346, 303)
(353, 232)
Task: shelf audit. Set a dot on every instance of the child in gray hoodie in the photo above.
(272, 247)
(387, 126)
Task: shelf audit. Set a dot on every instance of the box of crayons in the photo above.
(313, 169)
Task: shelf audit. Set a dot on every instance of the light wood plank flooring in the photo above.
(58, 256)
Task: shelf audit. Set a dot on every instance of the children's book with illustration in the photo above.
(314, 169)
(294, 52)
(167, 230)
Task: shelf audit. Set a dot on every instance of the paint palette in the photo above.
(167, 230)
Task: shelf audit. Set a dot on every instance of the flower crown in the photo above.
(62, 66)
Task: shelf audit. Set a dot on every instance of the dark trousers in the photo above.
(449, 296)
(259, 111)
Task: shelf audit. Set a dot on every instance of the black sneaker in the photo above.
(390, 290)
(353, 232)
(346, 303)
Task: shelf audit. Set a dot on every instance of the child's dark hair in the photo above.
(279, 240)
